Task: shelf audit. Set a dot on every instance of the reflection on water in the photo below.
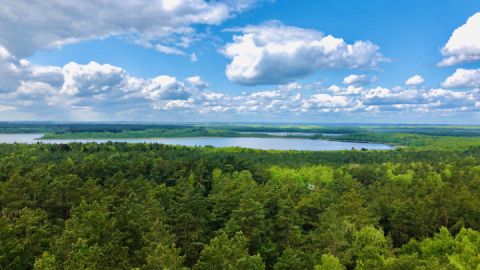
(283, 134)
(19, 138)
(256, 143)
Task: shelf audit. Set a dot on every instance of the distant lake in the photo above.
(256, 143)
(305, 134)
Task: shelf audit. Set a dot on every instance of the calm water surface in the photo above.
(256, 143)
(305, 134)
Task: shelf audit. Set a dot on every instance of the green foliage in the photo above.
(188, 218)
(149, 206)
(466, 254)
(329, 262)
(309, 176)
(248, 218)
(292, 259)
(455, 252)
(370, 248)
(22, 238)
(228, 253)
(143, 134)
(414, 140)
(45, 262)
(164, 257)
(227, 192)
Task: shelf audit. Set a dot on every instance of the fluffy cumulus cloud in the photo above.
(174, 104)
(348, 90)
(197, 82)
(420, 101)
(10, 70)
(14, 70)
(463, 78)
(80, 91)
(358, 80)
(464, 43)
(275, 53)
(165, 88)
(313, 99)
(165, 25)
(96, 91)
(404, 100)
(89, 79)
(380, 96)
(325, 103)
(415, 80)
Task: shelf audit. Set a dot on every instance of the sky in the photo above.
(311, 61)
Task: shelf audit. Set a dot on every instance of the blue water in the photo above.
(255, 143)
(303, 134)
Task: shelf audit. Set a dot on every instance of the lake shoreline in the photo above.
(333, 138)
(283, 143)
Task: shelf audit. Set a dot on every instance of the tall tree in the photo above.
(225, 253)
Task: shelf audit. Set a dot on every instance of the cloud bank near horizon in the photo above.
(96, 91)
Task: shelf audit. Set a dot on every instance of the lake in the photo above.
(280, 134)
(246, 142)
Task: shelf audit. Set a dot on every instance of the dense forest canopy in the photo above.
(151, 206)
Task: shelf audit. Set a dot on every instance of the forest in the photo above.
(416, 136)
(152, 206)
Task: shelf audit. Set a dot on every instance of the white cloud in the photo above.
(6, 108)
(165, 88)
(50, 74)
(415, 80)
(93, 89)
(463, 78)
(384, 96)
(13, 71)
(96, 91)
(334, 88)
(197, 82)
(352, 90)
(324, 101)
(168, 49)
(4, 54)
(348, 90)
(10, 71)
(193, 57)
(441, 99)
(266, 94)
(276, 53)
(464, 43)
(92, 78)
(32, 89)
(214, 96)
(357, 80)
(175, 104)
(27, 26)
(426, 100)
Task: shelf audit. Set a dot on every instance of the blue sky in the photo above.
(193, 60)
